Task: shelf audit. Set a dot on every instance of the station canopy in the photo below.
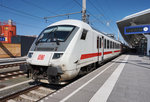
(134, 27)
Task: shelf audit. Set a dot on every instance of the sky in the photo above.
(103, 14)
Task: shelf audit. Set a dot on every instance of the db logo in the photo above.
(41, 57)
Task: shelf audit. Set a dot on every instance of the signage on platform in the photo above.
(142, 29)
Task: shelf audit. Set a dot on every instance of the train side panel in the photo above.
(73, 55)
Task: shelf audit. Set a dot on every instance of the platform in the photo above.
(6, 60)
(124, 79)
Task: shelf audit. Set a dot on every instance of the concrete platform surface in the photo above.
(124, 79)
(5, 60)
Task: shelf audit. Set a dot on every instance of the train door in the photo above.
(98, 45)
(102, 48)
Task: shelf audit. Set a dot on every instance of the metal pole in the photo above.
(84, 10)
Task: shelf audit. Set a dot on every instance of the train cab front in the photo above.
(45, 65)
(46, 52)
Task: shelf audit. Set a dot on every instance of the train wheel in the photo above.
(53, 79)
(35, 76)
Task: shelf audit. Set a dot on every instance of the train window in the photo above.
(97, 42)
(117, 46)
(55, 33)
(100, 42)
(107, 44)
(110, 44)
(84, 33)
(113, 45)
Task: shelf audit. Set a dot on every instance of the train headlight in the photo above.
(30, 54)
(57, 55)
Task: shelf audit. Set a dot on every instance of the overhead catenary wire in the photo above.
(89, 12)
(105, 17)
(61, 15)
(37, 6)
(108, 17)
(93, 15)
(21, 12)
(27, 25)
(44, 9)
(17, 14)
(78, 3)
(108, 6)
(63, 6)
(97, 9)
(111, 12)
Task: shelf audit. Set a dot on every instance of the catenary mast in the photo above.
(84, 19)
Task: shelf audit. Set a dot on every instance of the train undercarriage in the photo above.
(52, 74)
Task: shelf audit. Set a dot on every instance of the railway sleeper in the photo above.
(28, 98)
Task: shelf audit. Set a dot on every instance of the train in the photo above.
(67, 48)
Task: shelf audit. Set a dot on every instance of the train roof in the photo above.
(78, 23)
(105, 34)
(73, 22)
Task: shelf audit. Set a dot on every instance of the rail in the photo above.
(10, 62)
(33, 93)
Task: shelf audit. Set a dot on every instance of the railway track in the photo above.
(31, 94)
(11, 75)
(11, 64)
(10, 68)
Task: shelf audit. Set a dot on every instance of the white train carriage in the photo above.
(66, 48)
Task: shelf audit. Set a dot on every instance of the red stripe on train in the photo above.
(109, 52)
(117, 51)
(85, 56)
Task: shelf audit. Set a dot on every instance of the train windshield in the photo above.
(55, 34)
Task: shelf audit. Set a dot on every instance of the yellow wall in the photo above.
(10, 50)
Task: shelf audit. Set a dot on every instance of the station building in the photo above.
(135, 29)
